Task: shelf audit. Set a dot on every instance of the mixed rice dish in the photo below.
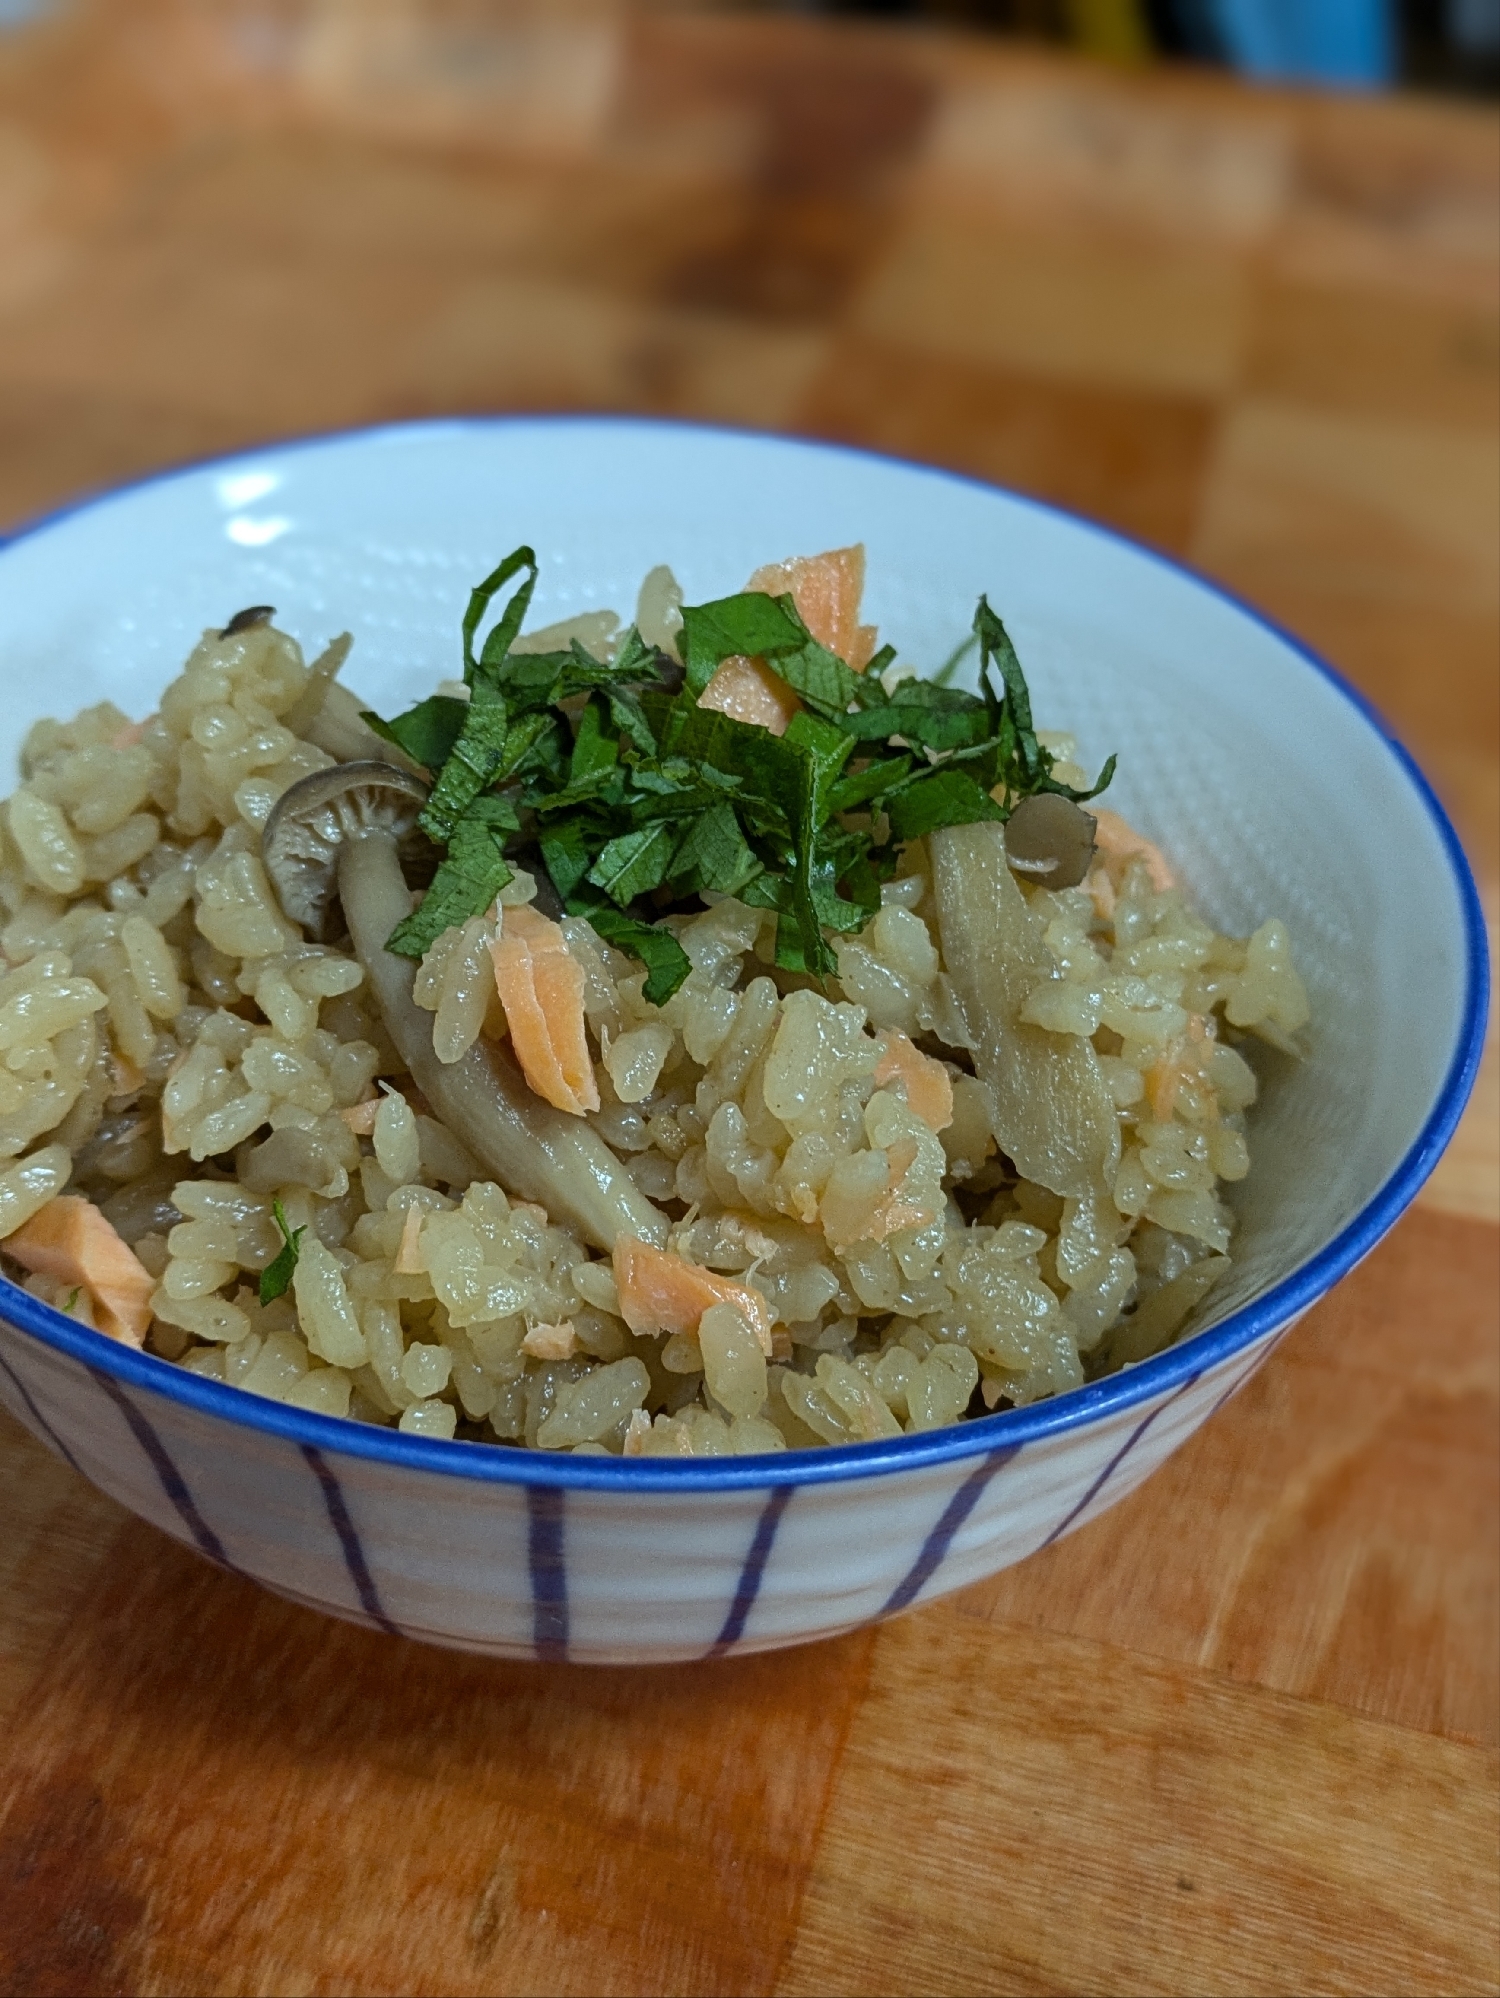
(708, 1037)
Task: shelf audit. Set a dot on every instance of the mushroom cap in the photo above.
(312, 822)
(1050, 840)
(248, 619)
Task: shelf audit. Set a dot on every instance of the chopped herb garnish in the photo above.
(470, 876)
(943, 677)
(276, 1277)
(608, 775)
(427, 732)
(663, 956)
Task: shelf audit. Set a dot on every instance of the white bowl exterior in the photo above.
(595, 1577)
(1255, 772)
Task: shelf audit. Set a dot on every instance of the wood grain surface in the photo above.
(1241, 1734)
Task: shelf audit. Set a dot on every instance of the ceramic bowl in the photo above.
(1272, 785)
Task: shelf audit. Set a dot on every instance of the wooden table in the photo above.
(1241, 1734)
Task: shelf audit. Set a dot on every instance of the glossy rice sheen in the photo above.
(847, 1254)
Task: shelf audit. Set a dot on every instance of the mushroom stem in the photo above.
(1050, 1110)
(335, 724)
(535, 1151)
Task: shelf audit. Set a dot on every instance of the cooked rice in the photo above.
(171, 1047)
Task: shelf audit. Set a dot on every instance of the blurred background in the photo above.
(1220, 272)
(1452, 44)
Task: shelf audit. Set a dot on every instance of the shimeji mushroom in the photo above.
(1050, 1110)
(339, 835)
(1050, 840)
(324, 828)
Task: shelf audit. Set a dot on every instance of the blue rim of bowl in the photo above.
(1174, 1369)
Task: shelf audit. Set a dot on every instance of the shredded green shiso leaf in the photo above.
(635, 800)
(276, 1277)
